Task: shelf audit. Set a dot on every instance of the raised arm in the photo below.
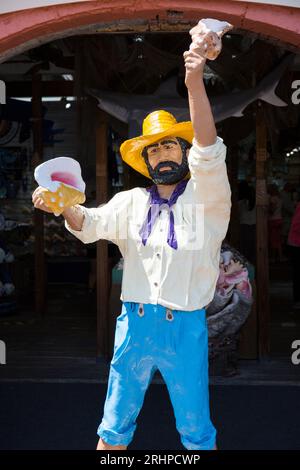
(209, 180)
(200, 109)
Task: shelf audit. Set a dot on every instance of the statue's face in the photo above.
(166, 161)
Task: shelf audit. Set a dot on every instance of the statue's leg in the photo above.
(185, 371)
(131, 371)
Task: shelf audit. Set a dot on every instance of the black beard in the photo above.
(176, 174)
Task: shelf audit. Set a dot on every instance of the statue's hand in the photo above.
(194, 67)
(38, 201)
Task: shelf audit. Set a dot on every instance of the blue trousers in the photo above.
(150, 337)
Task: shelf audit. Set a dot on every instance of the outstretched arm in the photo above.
(200, 109)
(74, 217)
(107, 222)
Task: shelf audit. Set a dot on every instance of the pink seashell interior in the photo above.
(64, 177)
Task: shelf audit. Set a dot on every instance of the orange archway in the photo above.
(25, 29)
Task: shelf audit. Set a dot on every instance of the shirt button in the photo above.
(158, 255)
(156, 284)
(161, 230)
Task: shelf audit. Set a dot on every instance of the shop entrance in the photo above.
(152, 43)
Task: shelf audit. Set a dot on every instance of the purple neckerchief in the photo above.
(155, 202)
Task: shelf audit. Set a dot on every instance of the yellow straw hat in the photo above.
(156, 125)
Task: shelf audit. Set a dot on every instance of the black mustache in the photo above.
(171, 164)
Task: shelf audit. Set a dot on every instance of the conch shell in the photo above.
(207, 37)
(63, 183)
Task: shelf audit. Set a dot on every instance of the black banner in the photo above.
(132, 459)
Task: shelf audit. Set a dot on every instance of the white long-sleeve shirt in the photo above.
(182, 279)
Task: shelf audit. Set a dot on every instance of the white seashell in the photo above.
(52, 173)
(206, 37)
(210, 24)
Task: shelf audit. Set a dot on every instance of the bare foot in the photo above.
(104, 446)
